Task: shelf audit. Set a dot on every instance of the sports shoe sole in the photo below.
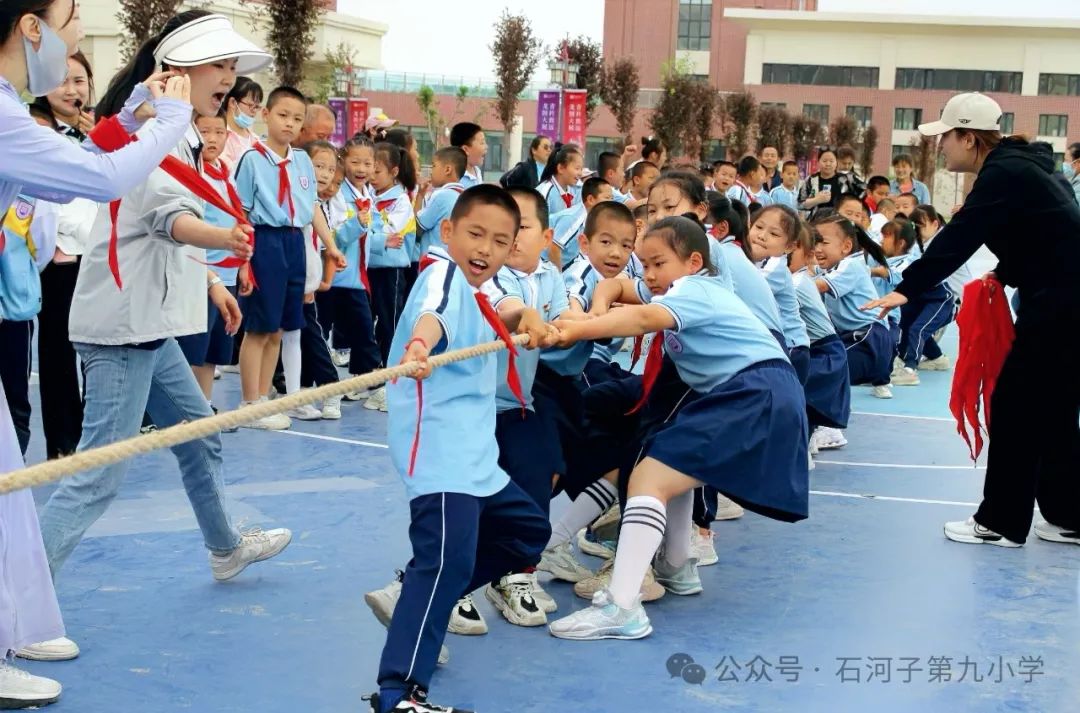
(1053, 536)
(31, 656)
(593, 548)
(20, 703)
(466, 627)
(997, 540)
(598, 637)
(694, 589)
(508, 612)
(225, 576)
(650, 591)
(564, 573)
(315, 416)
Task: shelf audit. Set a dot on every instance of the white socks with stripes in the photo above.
(590, 505)
(644, 522)
(290, 360)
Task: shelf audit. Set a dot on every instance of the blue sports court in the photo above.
(864, 606)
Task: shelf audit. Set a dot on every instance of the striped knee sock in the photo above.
(643, 524)
(590, 505)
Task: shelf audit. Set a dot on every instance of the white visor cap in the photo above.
(210, 39)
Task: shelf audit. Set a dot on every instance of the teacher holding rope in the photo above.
(1026, 214)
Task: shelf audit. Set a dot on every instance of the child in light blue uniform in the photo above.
(449, 466)
(736, 399)
(559, 187)
(447, 168)
(469, 137)
(897, 242)
(846, 286)
(787, 193)
(569, 224)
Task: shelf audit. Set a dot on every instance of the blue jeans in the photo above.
(121, 383)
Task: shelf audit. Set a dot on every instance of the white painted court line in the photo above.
(335, 439)
(901, 415)
(899, 465)
(867, 496)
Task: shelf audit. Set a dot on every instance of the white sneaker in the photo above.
(514, 600)
(231, 369)
(905, 377)
(728, 509)
(587, 588)
(825, 438)
(361, 395)
(1053, 533)
(382, 603)
(19, 689)
(560, 562)
(596, 548)
(377, 400)
(62, 649)
(255, 545)
(881, 392)
(466, 620)
(546, 601)
(340, 357)
(683, 581)
(810, 464)
(217, 373)
(331, 409)
(972, 533)
(702, 548)
(603, 620)
(307, 412)
(276, 422)
(942, 363)
(897, 363)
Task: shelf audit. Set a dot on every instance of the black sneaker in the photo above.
(415, 702)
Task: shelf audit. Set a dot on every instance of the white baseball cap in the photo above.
(208, 39)
(966, 111)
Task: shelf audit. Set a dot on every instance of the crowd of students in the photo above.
(740, 286)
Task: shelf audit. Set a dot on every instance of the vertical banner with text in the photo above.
(574, 125)
(341, 130)
(358, 114)
(547, 113)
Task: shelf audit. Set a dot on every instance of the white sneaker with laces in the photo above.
(19, 689)
(514, 600)
(276, 422)
(361, 395)
(255, 545)
(62, 649)
(340, 357)
(972, 533)
(881, 392)
(905, 377)
(599, 548)
(382, 603)
(466, 620)
(1052, 533)
(728, 509)
(897, 363)
(824, 439)
(560, 562)
(331, 409)
(702, 548)
(307, 412)
(603, 620)
(546, 601)
(377, 400)
(942, 363)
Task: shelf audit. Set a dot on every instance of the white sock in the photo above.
(680, 515)
(290, 360)
(590, 505)
(643, 524)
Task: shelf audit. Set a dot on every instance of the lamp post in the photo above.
(563, 73)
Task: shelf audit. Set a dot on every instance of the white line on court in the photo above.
(900, 465)
(867, 496)
(335, 439)
(901, 415)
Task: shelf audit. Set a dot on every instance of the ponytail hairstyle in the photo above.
(685, 235)
(652, 146)
(804, 240)
(721, 211)
(856, 234)
(11, 11)
(559, 157)
(395, 157)
(140, 66)
(357, 141)
(904, 233)
(688, 183)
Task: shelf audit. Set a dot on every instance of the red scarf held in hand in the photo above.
(986, 336)
(284, 191)
(222, 174)
(653, 362)
(512, 378)
(363, 204)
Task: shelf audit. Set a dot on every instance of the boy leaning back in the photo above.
(442, 441)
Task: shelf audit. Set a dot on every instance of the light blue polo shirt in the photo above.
(257, 178)
(456, 452)
(884, 286)
(778, 277)
(748, 283)
(811, 307)
(348, 236)
(391, 213)
(784, 196)
(437, 209)
(220, 219)
(553, 193)
(567, 226)
(850, 287)
(580, 279)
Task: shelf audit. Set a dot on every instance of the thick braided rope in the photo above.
(54, 470)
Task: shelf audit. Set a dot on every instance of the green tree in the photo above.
(843, 131)
(517, 51)
(291, 36)
(141, 20)
(866, 152)
(587, 54)
(774, 128)
(339, 61)
(430, 107)
(676, 104)
(806, 133)
(740, 109)
(619, 90)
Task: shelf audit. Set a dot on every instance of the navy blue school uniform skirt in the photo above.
(800, 362)
(746, 438)
(529, 452)
(869, 354)
(827, 387)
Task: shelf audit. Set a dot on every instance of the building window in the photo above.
(1007, 122)
(861, 114)
(1053, 125)
(774, 105)
(819, 75)
(963, 80)
(695, 24)
(907, 119)
(1059, 85)
(819, 112)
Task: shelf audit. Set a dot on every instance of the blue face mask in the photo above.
(244, 121)
(46, 67)
(1068, 170)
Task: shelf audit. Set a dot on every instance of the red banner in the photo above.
(574, 123)
(358, 114)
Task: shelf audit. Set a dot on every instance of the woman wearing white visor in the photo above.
(126, 335)
(1024, 211)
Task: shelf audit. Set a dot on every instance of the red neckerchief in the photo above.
(635, 355)
(363, 204)
(512, 379)
(284, 192)
(426, 261)
(222, 174)
(653, 362)
(986, 335)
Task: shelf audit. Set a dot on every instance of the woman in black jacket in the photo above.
(527, 173)
(1027, 216)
